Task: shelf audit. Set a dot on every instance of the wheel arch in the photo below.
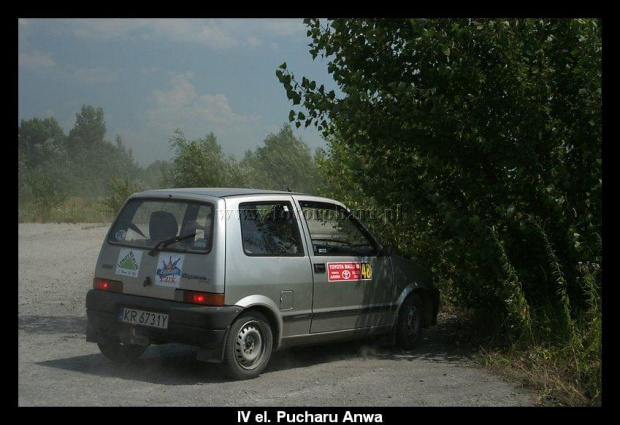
(429, 298)
(267, 308)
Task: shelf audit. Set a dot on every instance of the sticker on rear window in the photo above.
(350, 270)
(169, 270)
(128, 263)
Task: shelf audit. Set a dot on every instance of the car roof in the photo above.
(217, 192)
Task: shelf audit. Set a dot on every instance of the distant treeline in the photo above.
(53, 166)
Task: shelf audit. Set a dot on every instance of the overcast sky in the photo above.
(151, 76)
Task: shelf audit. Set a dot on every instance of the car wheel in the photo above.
(121, 353)
(248, 346)
(409, 326)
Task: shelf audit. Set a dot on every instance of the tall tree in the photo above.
(52, 165)
(95, 160)
(89, 131)
(201, 163)
(284, 162)
(120, 159)
(157, 175)
(38, 138)
(478, 128)
(43, 162)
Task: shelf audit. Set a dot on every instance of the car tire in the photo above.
(121, 353)
(248, 346)
(410, 322)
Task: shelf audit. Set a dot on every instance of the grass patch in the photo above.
(566, 370)
(549, 372)
(71, 210)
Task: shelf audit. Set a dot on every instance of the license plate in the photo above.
(144, 318)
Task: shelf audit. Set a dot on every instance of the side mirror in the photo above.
(387, 251)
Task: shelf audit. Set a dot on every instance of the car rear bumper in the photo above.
(202, 326)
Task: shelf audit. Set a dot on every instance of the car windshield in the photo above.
(147, 223)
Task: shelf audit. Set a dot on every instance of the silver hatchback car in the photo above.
(241, 273)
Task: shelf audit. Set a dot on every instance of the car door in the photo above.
(353, 287)
(266, 260)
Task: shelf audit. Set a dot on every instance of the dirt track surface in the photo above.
(57, 367)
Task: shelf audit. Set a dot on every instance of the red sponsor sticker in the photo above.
(337, 272)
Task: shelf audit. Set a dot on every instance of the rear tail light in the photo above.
(203, 298)
(107, 285)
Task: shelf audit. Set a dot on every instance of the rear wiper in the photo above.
(165, 242)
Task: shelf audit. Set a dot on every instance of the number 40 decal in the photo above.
(366, 271)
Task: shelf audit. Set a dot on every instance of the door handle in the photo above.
(319, 267)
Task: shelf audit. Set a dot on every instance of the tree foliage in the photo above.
(53, 166)
(94, 159)
(40, 141)
(88, 133)
(119, 189)
(199, 163)
(469, 125)
(156, 175)
(283, 163)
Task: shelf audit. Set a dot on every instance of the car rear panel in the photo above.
(164, 274)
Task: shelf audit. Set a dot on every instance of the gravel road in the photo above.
(57, 367)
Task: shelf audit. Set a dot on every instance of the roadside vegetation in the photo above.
(472, 146)
(487, 135)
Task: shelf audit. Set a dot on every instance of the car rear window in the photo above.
(145, 223)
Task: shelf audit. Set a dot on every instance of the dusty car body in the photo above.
(241, 273)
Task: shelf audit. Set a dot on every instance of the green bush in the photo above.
(487, 133)
(47, 196)
(119, 189)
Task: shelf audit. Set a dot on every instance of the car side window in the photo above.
(269, 229)
(336, 232)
